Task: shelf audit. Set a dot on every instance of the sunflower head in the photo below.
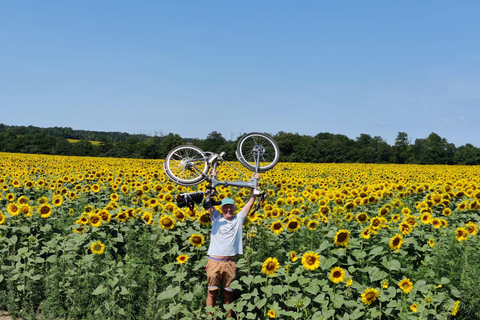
(182, 258)
(311, 260)
(406, 285)
(196, 240)
(337, 275)
(270, 266)
(342, 237)
(369, 295)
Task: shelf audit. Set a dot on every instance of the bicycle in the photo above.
(188, 165)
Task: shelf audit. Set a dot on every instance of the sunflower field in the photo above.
(85, 238)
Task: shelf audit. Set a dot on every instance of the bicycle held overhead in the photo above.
(188, 165)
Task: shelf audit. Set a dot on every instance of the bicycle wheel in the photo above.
(186, 165)
(257, 145)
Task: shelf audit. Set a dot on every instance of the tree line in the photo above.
(321, 148)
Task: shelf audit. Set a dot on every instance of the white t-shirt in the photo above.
(226, 236)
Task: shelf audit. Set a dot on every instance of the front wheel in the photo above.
(186, 165)
(257, 150)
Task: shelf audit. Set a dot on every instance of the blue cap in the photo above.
(227, 201)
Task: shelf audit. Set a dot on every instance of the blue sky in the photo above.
(193, 67)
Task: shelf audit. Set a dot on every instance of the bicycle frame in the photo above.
(213, 162)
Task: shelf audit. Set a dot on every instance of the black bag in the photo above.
(189, 199)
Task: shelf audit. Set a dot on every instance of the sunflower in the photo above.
(431, 242)
(167, 222)
(455, 307)
(385, 284)
(105, 215)
(293, 256)
(310, 260)
(179, 215)
(366, 233)
(312, 225)
(270, 266)
(45, 210)
(369, 295)
(13, 209)
(121, 216)
(293, 225)
(337, 275)
(414, 307)
(342, 237)
(271, 313)
(204, 218)
(461, 234)
(114, 197)
(349, 282)
(277, 227)
(182, 258)
(2, 218)
(57, 200)
(147, 217)
(406, 285)
(23, 200)
(196, 240)
(95, 220)
(97, 247)
(396, 242)
(405, 228)
(471, 228)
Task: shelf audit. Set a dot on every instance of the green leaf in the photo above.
(328, 263)
(260, 303)
(100, 290)
(444, 281)
(391, 264)
(20, 287)
(124, 291)
(251, 316)
(188, 296)
(169, 293)
(376, 274)
(376, 251)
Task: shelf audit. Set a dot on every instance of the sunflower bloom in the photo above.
(349, 282)
(167, 222)
(277, 227)
(45, 210)
(196, 240)
(2, 218)
(337, 275)
(311, 260)
(414, 307)
(272, 314)
(293, 256)
(97, 247)
(341, 238)
(461, 234)
(182, 258)
(396, 242)
(455, 308)
(270, 266)
(406, 285)
(95, 221)
(369, 295)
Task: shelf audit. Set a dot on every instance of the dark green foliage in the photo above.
(322, 148)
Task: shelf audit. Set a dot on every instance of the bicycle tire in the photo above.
(186, 165)
(253, 142)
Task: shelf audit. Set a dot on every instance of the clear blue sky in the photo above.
(193, 67)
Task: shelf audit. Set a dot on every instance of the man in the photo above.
(225, 244)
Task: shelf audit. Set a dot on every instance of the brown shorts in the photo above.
(220, 273)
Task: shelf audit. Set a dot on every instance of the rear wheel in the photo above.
(258, 147)
(186, 165)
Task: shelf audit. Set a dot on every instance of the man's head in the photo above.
(228, 208)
